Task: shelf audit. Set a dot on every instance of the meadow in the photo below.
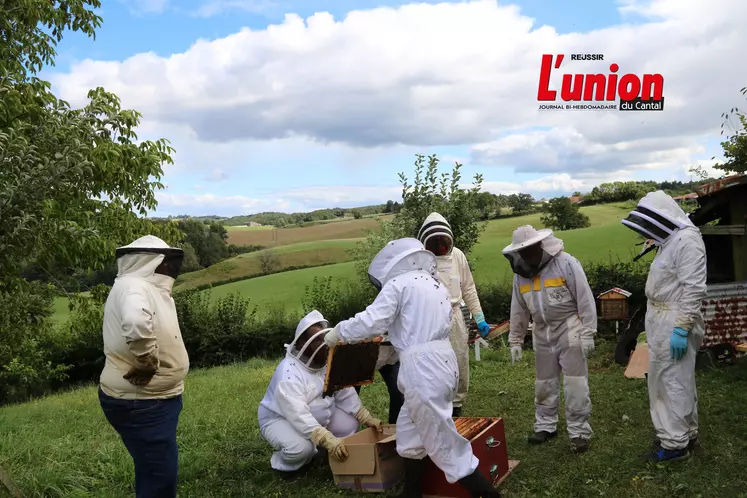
(62, 446)
(606, 239)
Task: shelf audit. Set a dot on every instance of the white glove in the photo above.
(587, 345)
(332, 337)
(515, 354)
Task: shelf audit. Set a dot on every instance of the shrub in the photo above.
(562, 214)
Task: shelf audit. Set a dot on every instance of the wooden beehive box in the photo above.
(351, 365)
(614, 304)
(488, 438)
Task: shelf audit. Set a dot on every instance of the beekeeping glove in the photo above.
(515, 354)
(143, 371)
(364, 417)
(332, 337)
(322, 437)
(587, 342)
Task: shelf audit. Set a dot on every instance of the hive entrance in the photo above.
(351, 365)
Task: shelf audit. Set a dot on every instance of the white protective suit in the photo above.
(675, 289)
(454, 272)
(140, 322)
(293, 407)
(415, 308)
(562, 307)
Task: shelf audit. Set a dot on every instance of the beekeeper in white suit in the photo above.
(675, 289)
(454, 271)
(414, 307)
(550, 286)
(294, 417)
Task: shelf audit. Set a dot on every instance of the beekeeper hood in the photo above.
(436, 235)
(530, 250)
(149, 258)
(657, 217)
(398, 257)
(308, 346)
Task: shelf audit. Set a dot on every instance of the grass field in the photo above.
(327, 243)
(349, 229)
(317, 253)
(62, 446)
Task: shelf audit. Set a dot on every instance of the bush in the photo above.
(26, 335)
(269, 262)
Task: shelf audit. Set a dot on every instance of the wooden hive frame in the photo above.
(339, 374)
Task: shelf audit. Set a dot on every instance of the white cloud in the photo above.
(423, 75)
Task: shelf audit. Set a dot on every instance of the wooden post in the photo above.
(9, 485)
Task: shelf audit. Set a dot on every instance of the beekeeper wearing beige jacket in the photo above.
(141, 386)
(454, 272)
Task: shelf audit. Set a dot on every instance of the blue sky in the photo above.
(251, 173)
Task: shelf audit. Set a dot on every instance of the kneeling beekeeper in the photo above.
(551, 286)
(294, 417)
(675, 289)
(414, 307)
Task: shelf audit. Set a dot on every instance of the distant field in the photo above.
(316, 253)
(349, 229)
(244, 228)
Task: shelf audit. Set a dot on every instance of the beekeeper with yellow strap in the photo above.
(550, 286)
(294, 417)
(675, 289)
(454, 272)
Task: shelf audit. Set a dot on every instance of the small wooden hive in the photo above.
(614, 304)
(351, 365)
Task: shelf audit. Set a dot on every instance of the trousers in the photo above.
(148, 430)
(389, 374)
(459, 338)
(292, 449)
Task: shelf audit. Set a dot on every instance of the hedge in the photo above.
(216, 331)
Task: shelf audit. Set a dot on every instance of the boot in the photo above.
(691, 446)
(579, 445)
(414, 471)
(479, 486)
(662, 455)
(541, 437)
(456, 412)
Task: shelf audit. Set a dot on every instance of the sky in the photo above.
(275, 105)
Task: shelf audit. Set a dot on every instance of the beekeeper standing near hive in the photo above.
(550, 286)
(675, 289)
(454, 272)
(414, 307)
(294, 417)
(141, 385)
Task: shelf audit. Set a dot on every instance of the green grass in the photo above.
(62, 446)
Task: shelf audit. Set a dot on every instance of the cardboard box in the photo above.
(373, 464)
(489, 446)
(638, 363)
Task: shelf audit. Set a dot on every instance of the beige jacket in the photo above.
(139, 320)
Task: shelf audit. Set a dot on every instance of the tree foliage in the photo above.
(520, 203)
(562, 214)
(72, 181)
(734, 129)
(429, 191)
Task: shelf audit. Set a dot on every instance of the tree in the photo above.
(520, 203)
(269, 262)
(562, 214)
(429, 192)
(389, 207)
(735, 145)
(488, 206)
(357, 214)
(72, 181)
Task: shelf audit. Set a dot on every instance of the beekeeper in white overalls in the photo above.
(414, 307)
(293, 416)
(675, 289)
(454, 271)
(550, 286)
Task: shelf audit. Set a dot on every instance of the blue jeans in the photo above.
(148, 430)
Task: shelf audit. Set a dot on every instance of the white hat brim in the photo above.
(541, 235)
